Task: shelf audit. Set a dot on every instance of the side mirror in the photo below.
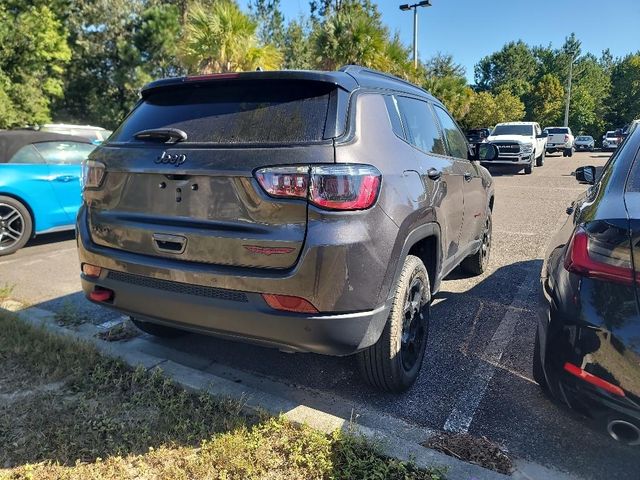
(586, 175)
(485, 152)
(542, 135)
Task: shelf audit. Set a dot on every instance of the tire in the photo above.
(536, 366)
(477, 263)
(393, 362)
(16, 225)
(540, 159)
(157, 330)
(528, 169)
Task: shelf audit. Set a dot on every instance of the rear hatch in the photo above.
(557, 136)
(196, 199)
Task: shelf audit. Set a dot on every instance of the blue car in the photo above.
(39, 184)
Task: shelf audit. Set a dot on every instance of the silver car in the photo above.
(585, 142)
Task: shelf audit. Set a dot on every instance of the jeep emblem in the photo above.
(168, 159)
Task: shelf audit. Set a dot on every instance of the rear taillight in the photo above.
(92, 174)
(332, 187)
(284, 182)
(605, 256)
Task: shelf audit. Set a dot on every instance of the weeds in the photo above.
(6, 291)
(69, 315)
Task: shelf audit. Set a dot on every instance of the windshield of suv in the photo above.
(237, 112)
(513, 130)
(552, 131)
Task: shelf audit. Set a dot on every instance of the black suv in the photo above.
(309, 211)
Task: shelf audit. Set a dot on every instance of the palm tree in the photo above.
(221, 38)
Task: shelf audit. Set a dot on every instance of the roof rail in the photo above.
(356, 69)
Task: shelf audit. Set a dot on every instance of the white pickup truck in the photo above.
(560, 138)
(522, 144)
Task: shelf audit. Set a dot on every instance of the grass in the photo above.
(5, 291)
(68, 412)
(69, 316)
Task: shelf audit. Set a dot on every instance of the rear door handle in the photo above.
(169, 243)
(434, 174)
(468, 177)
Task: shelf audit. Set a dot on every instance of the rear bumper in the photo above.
(240, 316)
(226, 301)
(597, 404)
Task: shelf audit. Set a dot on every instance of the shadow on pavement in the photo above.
(51, 238)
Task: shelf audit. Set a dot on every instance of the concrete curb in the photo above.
(397, 438)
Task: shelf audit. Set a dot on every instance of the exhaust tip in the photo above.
(624, 432)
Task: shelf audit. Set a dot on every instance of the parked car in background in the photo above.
(96, 134)
(611, 140)
(39, 184)
(236, 205)
(521, 144)
(560, 139)
(478, 135)
(587, 348)
(585, 142)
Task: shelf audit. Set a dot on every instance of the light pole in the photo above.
(566, 107)
(405, 7)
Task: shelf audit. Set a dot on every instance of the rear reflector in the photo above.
(91, 270)
(101, 295)
(288, 303)
(593, 380)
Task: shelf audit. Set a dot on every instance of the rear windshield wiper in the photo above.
(167, 135)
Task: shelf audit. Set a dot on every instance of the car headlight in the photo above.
(526, 147)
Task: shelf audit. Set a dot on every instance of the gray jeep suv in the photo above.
(308, 211)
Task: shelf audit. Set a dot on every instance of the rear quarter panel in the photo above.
(30, 184)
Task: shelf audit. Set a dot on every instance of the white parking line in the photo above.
(462, 415)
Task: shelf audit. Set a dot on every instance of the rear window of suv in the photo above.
(236, 112)
(552, 131)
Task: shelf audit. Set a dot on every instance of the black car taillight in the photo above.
(331, 187)
(604, 254)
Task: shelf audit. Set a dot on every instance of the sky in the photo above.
(472, 29)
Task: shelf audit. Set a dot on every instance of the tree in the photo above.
(33, 56)
(547, 101)
(107, 71)
(298, 48)
(352, 34)
(451, 90)
(625, 91)
(223, 39)
(442, 65)
(157, 37)
(513, 68)
(486, 109)
(268, 15)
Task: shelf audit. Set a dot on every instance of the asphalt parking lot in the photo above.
(477, 371)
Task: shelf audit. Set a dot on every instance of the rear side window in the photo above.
(420, 125)
(26, 155)
(454, 137)
(633, 183)
(64, 153)
(236, 112)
